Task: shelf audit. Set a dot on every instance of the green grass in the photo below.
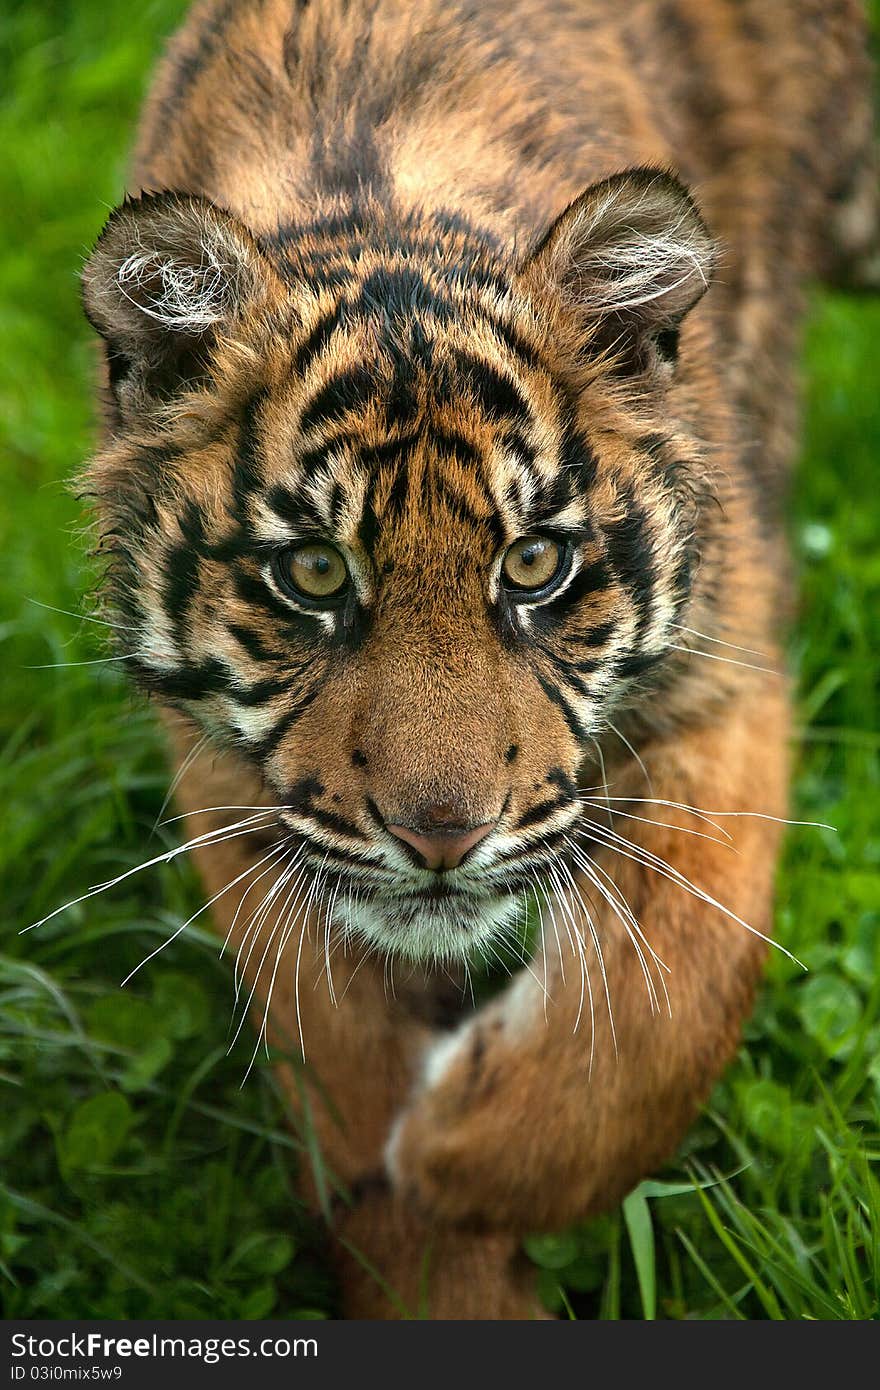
(136, 1177)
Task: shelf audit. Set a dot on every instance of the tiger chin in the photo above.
(448, 404)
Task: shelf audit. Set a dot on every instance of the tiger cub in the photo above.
(448, 407)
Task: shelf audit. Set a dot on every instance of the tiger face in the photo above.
(402, 519)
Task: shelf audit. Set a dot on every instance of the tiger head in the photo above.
(402, 516)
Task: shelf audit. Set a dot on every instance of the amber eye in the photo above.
(315, 572)
(533, 562)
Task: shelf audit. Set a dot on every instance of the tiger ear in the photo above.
(632, 255)
(169, 273)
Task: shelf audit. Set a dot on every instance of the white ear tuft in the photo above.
(169, 271)
(633, 249)
(184, 298)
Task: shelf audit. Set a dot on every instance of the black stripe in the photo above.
(330, 821)
(558, 777)
(637, 664)
(589, 580)
(187, 682)
(351, 390)
(469, 273)
(368, 526)
(398, 292)
(555, 494)
(336, 854)
(400, 398)
(294, 507)
(523, 452)
(253, 644)
(267, 745)
(317, 340)
(260, 692)
(548, 841)
(569, 669)
(253, 589)
(460, 507)
(392, 451)
(632, 557)
(598, 636)
(495, 394)
(338, 226)
(454, 445)
(247, 475)
(578, 459)
(455, 223)
(512, 339)
(338, 500)
(182, 567)
(553, 693)
(543, 811)
(395, 501)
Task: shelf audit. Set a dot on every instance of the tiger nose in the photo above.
(443, 847)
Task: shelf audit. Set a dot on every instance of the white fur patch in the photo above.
(441, 1056)
(436, 1062)
(184, 298)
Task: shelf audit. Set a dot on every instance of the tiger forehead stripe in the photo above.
(395, 313)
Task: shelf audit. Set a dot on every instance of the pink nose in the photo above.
(441, 849)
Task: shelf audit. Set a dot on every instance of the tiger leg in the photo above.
(393, 1263)
(359, 1043)
(514, 1123)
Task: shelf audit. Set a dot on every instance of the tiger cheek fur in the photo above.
(437, 487)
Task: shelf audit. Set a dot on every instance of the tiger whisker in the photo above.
(82, 617)
(207, 810)
(728, 660)
(597, 745)
(666, 825)
(594, 935)
(468, 984)
(297, 909)
(671, 805)
(626, 743)
(256, 926)
(277, 853)
(208, 837)
(328, 917)
(274, 932)
(705, 815)
(365, 955)
(719, 641)
(255, 921)
(90, 661)
(620, 907)
(533, 879)
(315, 889)
(520, 956)
(651, 861)
(540, 885)
(178, 777)
(182, 928)
(577, 948)
(389, 976)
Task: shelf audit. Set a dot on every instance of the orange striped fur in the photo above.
(414, 305)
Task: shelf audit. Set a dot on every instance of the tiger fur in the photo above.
(415, 281)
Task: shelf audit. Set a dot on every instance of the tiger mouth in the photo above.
(425, 922)
(434, 893)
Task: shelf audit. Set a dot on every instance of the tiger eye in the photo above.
(316, 571)
(532, 562)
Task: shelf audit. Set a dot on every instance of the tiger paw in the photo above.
(458, 1154)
